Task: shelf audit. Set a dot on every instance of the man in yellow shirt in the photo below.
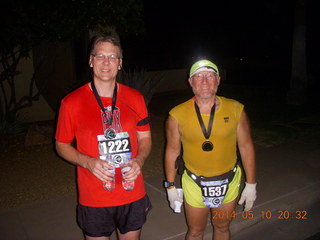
(209, 128)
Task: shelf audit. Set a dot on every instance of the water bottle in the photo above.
(127, 185)
(110, 184)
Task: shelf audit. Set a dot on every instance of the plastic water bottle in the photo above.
(110, 184)
(127, 185)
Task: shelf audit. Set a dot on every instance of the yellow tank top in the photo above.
(223, 136)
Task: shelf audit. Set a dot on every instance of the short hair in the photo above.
(105, 38)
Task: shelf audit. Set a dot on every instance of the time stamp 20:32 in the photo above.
(280, 214)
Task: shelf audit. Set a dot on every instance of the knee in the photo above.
(222, 227)
(193, 234)
(196, 233)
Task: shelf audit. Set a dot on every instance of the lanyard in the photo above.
(205, 132)
(114, 99)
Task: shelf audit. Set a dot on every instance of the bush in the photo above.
(136, 79)
(11, 129)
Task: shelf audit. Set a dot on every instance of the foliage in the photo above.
(24, 24)
(145, 85)
(10, 129)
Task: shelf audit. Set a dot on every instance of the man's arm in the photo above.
(173, 148)
(96, 166)
(246, 148)
(144, 149)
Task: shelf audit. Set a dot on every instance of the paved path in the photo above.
(288, 181)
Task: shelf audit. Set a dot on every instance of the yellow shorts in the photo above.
(193, 195)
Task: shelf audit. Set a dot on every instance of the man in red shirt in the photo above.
(106, 120)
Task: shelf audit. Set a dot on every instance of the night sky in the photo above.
(237, 35)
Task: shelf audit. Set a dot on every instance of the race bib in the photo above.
(119, 147)
(213, 192)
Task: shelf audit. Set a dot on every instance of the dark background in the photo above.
(251, 40)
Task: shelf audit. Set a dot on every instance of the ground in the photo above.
(31, 171)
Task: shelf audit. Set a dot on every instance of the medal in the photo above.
(110, 133)
(207, 146)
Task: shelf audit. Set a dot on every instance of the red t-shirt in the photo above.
(81, 118)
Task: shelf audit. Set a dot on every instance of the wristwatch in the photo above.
(168, 184)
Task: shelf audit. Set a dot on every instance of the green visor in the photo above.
(203, 66)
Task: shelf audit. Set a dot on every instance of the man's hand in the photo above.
(173, 196)
(135, 170)
(99, 168)
(96, 166)
(249, 195)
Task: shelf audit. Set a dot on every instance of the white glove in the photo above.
(173, 196)
(248, 195)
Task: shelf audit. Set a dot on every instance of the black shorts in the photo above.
(102, 221)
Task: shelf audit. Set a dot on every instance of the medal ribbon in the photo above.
(114, 99)
(212, 112)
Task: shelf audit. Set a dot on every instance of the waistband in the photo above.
(230, 174)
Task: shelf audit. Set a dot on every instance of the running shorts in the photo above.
(193, 195)
(102, 221)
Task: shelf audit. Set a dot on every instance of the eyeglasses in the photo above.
(111, 58)
(200, 76)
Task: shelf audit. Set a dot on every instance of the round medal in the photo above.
(207, 146)
(118, 159)
(110, 133)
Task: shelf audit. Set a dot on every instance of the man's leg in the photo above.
(132, 235)
(95, 221)
(131, 218)
(97, 238)
(221, 218)
(197, 221)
